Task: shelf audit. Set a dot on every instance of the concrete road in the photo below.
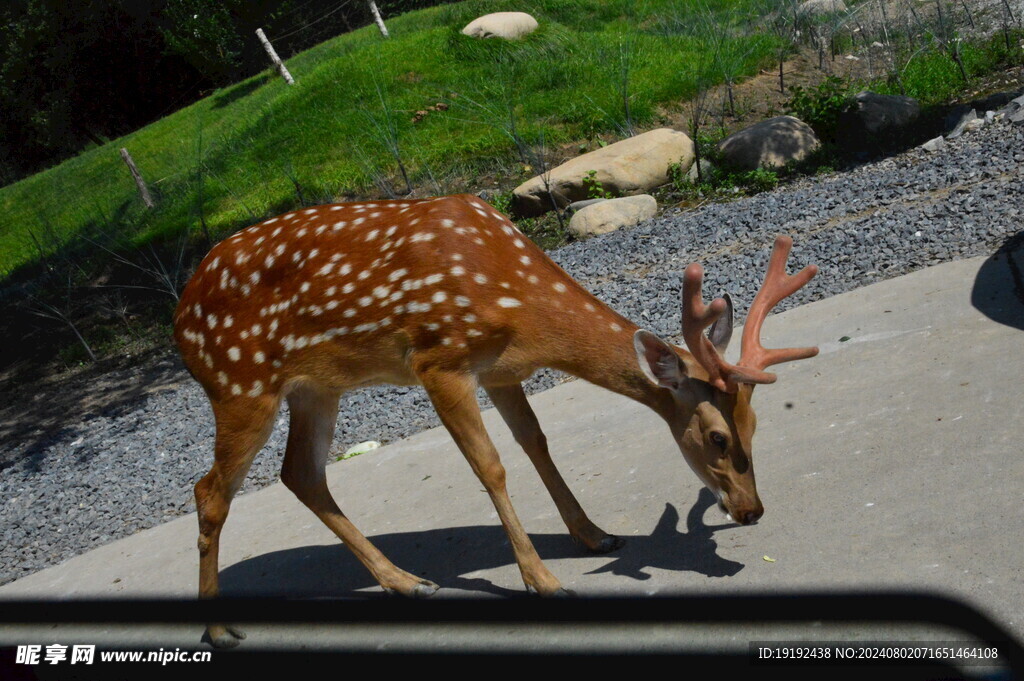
(892, 460)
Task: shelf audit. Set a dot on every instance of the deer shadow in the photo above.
(445, 555)
(998, 291)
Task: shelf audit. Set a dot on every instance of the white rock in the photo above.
(636, 165)
(608, 216)
(508, 25)
(934, 144)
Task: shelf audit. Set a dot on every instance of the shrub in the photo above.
(822, 106)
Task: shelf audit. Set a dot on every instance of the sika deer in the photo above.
(448, 294)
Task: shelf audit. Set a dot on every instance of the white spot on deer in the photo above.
(331, 304)
(270, 221)
(399, 309)
(370, 326)
(244, 334)
(256, 329)
(508, 302)
(391, 231)
(236, 389)
(479, 278)
(590, 308)
(280, 249)
(519, 243)
(433, 279)
(245, 289)
(276, 232)
(615, 327)
(432, 326)
(320, 230)
(313, 253)
(301, 233)
(365, 301)
(348, 288)
(480, 212)
(458, 270)
(336, 257)
(422, 236)
(447, 319)
(507, 230)
(335, 207)
(345, 269)
(372, 234)
(533, 279)
(456, 256)
(259, 358)
(418, 307)
(473, 332)
(382, 291)
(326, 269)
(478, 241)
(358, 221)
(301, 342)
(330, 291)
(398, 274)
(228, 322)
(234, 354)
(413, 221)
(559, 286)
(463, 301)
(198, 309)
(349, 313)
(259, 241)
(469, 319)
(222, 378)
(446, 341)
(309, 211)
(395, 296)
(447, 223)
(440, 297)
(211, 320)
(525, 260)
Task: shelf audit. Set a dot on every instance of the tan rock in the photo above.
(772, 143)
(608, 216)
(814, 8)
(508, 25)
(635, 165)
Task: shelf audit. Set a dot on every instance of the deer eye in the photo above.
(719, 440)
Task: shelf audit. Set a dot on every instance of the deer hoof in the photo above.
(562, 592)
(224, 637)
(609, 543)
(424, 589)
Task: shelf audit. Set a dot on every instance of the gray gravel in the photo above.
(116, 473)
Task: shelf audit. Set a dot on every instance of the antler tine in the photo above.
(696, 317)
(777, 286)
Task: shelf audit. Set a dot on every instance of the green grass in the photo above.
(237, 155)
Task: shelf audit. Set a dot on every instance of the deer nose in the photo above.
(751, 517)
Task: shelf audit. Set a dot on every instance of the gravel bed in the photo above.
(116, 473)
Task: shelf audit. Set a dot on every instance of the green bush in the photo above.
(822, 106)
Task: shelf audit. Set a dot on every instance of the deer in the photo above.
(447, 293)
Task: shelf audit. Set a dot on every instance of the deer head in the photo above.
(712, 420)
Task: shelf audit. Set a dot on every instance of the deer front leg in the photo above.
(454, 398)
(514, 408)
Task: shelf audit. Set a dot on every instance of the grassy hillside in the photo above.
(260, 146)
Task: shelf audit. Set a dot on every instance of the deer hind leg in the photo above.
(516, 411)
(243, 426)
(314, 413)
(454, 398)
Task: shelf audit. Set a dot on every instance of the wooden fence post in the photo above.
(139, 182)
(378, 19)
(281, 68)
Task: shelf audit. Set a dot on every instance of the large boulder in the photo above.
(814, 8)
(508, 25)
(636, 165)
(772, 143)
(877, 113)
(607, 216)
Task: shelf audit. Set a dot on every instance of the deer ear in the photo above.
(659, 362)
(721, 330)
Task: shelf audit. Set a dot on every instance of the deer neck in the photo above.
(605, 356)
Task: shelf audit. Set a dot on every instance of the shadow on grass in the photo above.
(232, 95)
(998, 290)
(445, 555)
